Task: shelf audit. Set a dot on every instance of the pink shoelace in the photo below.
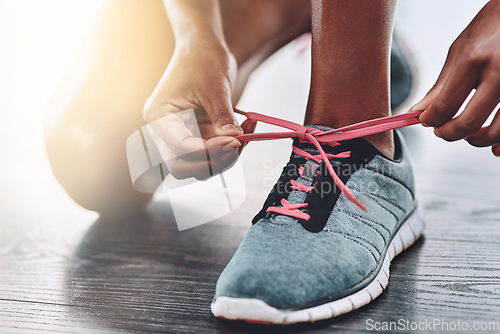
(318, 138)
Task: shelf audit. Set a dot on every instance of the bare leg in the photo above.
(100, 101)
(350, 64)
(255, 29)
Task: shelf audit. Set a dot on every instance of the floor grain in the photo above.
(140, 274)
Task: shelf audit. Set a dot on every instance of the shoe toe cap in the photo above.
(288, 272)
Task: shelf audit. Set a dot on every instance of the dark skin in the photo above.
(204, 74)
(350, 64)
(473, 62)
(206, 83)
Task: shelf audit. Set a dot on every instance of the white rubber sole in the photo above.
(257, 311)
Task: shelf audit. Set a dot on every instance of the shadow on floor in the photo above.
(141, 274)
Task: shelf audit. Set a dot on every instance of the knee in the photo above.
(91, 165)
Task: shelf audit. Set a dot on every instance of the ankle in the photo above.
(384, 141)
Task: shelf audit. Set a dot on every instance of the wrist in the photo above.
(208, 47)
(201, 41)
(195, 20)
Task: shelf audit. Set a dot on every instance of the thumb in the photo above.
(221, 114)
(426, 101)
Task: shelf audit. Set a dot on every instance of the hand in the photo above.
(199, 76)
(473, 62)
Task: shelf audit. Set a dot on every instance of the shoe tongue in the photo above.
(359, 146)
(310, 168)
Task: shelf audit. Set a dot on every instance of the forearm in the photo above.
(199, 75)
(195, 19)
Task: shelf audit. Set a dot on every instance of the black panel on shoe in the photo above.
(322, 199)
(282, 188)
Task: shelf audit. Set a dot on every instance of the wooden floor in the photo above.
(62, 270)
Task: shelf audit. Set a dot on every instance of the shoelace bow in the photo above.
(318, 138)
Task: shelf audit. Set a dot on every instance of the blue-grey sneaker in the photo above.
(312, 254)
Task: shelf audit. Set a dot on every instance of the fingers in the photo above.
(220, 112)
(496, 150)
(173, 132)
(475, 114)
(213, 159)
(443, 76)
(186, 141)
(426, 101)
(201, 170)
(219, 156)
(472, 63)
(453, 94)
(190, 141)
(185, 153)
(188, 144)
(487, 136)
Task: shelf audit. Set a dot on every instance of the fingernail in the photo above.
(230, 127)
(437, 133)
(416, 107)
(233, 145)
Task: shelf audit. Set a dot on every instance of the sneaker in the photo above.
(402, 72)
(312, 253)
